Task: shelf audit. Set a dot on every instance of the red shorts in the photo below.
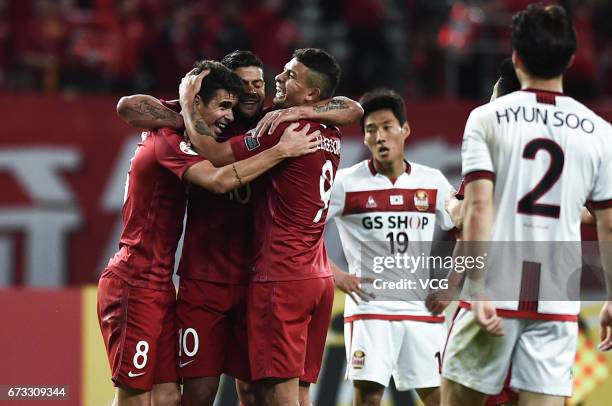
(287, 324)
(211, 322)
(139, 333)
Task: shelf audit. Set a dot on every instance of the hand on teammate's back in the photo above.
(605, 321)
(273, 118)
(295, 143)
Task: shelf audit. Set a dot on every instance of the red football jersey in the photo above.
(153, 210)
(291, 211)
(218, 244)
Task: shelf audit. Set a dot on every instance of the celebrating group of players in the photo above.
(258, 185)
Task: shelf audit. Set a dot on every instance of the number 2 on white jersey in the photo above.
(529, 204)
(327, 177)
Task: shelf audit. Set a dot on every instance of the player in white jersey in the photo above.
(531, 160)
(380, 205)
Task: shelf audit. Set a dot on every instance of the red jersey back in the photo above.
(153, 211)
(291, 212)
(218, 244)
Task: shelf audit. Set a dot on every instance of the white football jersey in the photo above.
(548, 155)
(372, 211)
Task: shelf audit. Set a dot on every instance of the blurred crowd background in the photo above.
(423, 48)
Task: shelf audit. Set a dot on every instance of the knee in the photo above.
(371, 399)
(201, 395)
(304, 394)
(368, 393)
(246, 393)
(170, 396)
(277, 392)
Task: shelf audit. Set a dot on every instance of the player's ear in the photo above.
(517, 61)
(571, 61)
(406, 129)
(197, 100)
(514, 58)
(519, 67)
(313, 94)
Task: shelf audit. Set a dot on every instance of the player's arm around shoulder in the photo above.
(147, 112)
(338, 111)
(229, 177)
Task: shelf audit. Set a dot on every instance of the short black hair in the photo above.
(383, 99)
(220, 77)
(325, 71)
(545, 39)
(507, 80)
(241, 59)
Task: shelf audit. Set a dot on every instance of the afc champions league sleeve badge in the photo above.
(358, 360)
(421, 200)
(185, 147)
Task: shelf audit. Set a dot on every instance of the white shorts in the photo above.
(541, 353)
(408, 350)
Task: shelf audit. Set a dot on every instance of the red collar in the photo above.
(542, 91)
(374, 171)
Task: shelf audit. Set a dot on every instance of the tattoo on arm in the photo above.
(147, 109)
(199, 125)
(330, 105)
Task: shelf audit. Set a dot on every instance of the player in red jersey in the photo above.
(291, 278)
(212, 296)
(136, 296)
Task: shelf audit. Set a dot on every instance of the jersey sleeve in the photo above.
(174, 153)
(601, 195)
(442, 216)
(475, 153)
(338, 197)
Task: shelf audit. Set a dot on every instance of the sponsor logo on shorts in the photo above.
(251, 143)
(358, 361)
(421, 200)
(133, 375)
(183, 364)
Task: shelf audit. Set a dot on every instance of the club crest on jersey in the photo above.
(358, 360)
(185, 146)
(251, 143)
(396, 200)
(421, 200)
(371, 202)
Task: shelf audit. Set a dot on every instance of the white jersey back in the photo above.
(369, 207)
(548, 155)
